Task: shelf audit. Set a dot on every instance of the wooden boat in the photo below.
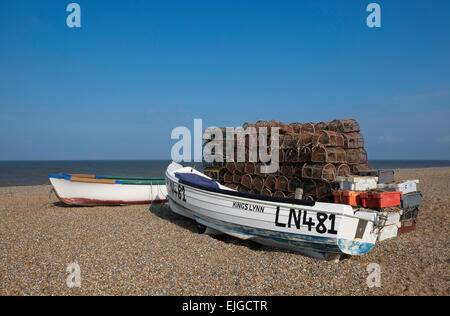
(320, 230)
(81, 189)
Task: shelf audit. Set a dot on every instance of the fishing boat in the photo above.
(320, 230)
(84, 190)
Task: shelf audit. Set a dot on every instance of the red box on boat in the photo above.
(408, 226)
(380, 200)
(347, 197)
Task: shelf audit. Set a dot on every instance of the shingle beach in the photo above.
(137, 251)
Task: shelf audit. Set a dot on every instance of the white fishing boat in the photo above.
(322, 230)
(72, 189)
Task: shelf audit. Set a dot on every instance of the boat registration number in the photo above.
(322, 223)
(177, 190)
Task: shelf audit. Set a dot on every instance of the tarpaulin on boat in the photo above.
(197, 179)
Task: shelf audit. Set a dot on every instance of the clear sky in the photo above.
(116, 87)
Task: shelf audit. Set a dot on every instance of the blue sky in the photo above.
(116, 87)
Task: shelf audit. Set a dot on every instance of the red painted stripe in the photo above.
(90, 202)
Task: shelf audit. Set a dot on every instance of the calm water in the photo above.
(13, 173)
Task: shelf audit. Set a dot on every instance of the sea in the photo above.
(20, 173)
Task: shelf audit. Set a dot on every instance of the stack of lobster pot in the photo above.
(311, 157)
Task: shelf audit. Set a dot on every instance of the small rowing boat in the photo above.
(82, 189)
(321, 230)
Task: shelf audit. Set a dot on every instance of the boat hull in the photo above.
(272, 223)
(107, 194)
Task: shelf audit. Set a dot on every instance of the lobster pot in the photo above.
(230, 167)
(328, 154)
(291, 155)
(305, 154)
(249, 168)
(344, 126)
(323, 189)
(269, 183)
(266, 192)
(237, 177)
(293, 184)
(279, 194)
(303, 128)
(320, 126)
(358, 169)
(297, 170)
(282, 183)
(232, 186)
(356, 156)
(228, 177)
(320, 172)
(343, 170)
(239, 166)
(286, 170)
(247, 181)
(243, 189)
(353, 140)
(258, 183)
(329, 139)
(309, 187)
(289, 140)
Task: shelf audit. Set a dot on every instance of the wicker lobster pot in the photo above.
(344, 126)
(289, 140)
(247, 181)
(320, 172)
(266, 192)
(356, 169)
(305, 154)
(230, 166)
(343, 170)
(243, 189)
(328, 154)
(282, 183)
(309, 187)
(353, 140)
(237, 177)
(279, 194)
(329, 139)
(258, 183)
(269, 183)
(232, 186)
(250, 167)
(287, 170)
(323, 189)
(291, 155)
(356, 156)
(297, 172)
(320, 126)
(293, 184)
(239, 166)
(228, 177)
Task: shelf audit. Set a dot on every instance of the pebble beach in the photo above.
(135, 250)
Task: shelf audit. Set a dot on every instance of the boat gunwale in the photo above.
(265, 198)
(107, 180)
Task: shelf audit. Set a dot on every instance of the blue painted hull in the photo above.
(290, 241)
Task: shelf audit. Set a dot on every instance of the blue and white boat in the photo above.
(321, 230)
